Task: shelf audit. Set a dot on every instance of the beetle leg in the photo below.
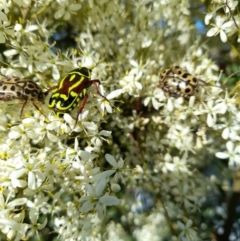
(95, 81)
(37, 107)
(50, 89)
(23, 106)
(84, 101)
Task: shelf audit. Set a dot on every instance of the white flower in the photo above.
(131, 81)
(106, 104)
(96, 199)
(19, 131)
(156, 98)
(187, 232)
(5, 31)
(66, 9)
(220, 28)
(232, 153)
(35, 225)
(230, 6)
(116, 170)
(79, 157)
(212, 111)
(29, 170)
(58, 125)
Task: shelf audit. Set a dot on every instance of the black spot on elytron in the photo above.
(185, 75)
(179, 72)
(1, 83)
(4, 87)
(19, 94)
(31, 86)
(194, 80)
(34, 94)
(12, 88)
(165, 83)
(177, 67)
(187, 90)
(27, 91)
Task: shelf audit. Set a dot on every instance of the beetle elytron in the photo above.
(71, 89)
(176, 82)
(23, 89)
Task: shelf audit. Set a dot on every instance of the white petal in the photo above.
(146, 101)
(192, 101)
(33, 215)
(31, 181)
(222, 155)
(52, 137)
(91, 126)
(138, 85)
(68, 118)
(14, 134)
(105, 133)
(210, 120)
(114, 94)
(120, 163)
(133, 63)
(230, 146)
(100, 187)
(208, 18)
(101, 210)
(156, 104)
(17, 202)
(89, 189)
(10, 223)
(109, 200)
(2, 38)
(59, 14)
(19, 183)
(43, 225)
(18, 173)
(86, 206)
(32, 27)
(102, 175)
(211, 32)
(75, 7)
(170, 106)
(225, 133)
(3, 17)
(18, 27)
(111, 160)
(10, 52)
(108, 108)
(55, 73)
(223, 36)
